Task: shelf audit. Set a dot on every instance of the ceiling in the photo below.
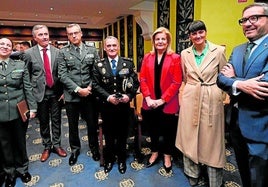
(59, 13)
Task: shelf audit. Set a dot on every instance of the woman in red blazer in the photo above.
(160, 80)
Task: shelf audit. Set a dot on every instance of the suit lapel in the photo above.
(192, 63)
(252, 59)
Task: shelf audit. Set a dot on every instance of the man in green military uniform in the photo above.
(75, 72)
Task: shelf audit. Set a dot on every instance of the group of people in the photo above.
(45, 76)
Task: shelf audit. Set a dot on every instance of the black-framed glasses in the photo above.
(251, 19)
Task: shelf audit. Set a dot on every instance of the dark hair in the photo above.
(196, 26)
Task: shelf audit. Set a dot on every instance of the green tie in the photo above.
(3, 63)
(248, 50)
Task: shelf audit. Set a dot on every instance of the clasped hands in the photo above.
(115, 100)
(152, 103)
(254, 86)
(84, 92)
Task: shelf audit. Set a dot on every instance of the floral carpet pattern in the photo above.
(56, 172)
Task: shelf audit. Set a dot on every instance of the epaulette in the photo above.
(126, 58)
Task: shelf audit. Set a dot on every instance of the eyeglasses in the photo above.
(73, 33)
(251, 19)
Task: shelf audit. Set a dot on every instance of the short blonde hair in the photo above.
(169, 38)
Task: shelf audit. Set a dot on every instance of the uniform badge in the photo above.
(89, 56)
(124, 71)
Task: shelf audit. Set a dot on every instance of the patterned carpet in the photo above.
(56, 172)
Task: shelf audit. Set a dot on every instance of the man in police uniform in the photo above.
(116, 83)
(75, 71)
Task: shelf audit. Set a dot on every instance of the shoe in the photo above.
(73, 158)
(95, 154)
(167, 169)
(167, 158)
(2, 179)
(149, 164)
(10, 181)
(193, 181)
(108, 167)
(122, 167)
(26, 177)
(60, 151)
(45, 155)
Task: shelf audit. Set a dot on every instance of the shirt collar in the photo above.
(258, 41)
(116, 59)
(41, 48)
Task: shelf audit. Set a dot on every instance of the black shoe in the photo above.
(2, 179)
(149, 164)
(167, 169)
(122, 167)
(26, 177)
(73, 158)
(10, 181)
(95, 154)
(108, 167)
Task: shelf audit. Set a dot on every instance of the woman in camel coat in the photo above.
(200, 134)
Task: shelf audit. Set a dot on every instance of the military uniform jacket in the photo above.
(125, 81)
(76, 70)
(15, 86)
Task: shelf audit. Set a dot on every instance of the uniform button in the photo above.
(6, 93)
(5, 85)
(114, 78)
(6, 100)
(114, 91)
(114, 84)
(4, 78)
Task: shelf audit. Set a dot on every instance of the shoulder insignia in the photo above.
(128, 59)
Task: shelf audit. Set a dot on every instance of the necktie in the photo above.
(248, 50)
(49, 78)
(113, 66)
(77, 50)
(3, 63)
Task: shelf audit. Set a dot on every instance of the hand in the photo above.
(124, 99)
(32, 115)
(84, 92)
(61, 98)
(228, 70)
(113, 99)
(254, 87)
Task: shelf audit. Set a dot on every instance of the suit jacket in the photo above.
(105, 83)
(76, 70)
(37, 72)
(253, 113)
(15, 86)
(170, 83)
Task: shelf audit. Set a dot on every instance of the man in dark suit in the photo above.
(47, 94)
(15, 86)
(116, 83)
(245, 78)
(75, 72)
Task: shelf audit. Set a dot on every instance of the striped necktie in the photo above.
(113, 66)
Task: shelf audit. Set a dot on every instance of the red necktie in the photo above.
(49, 78)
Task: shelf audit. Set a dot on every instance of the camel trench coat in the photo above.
(200, 134)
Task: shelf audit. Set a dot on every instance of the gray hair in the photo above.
(37, 27)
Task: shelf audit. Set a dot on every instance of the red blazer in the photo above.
(170, 82)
